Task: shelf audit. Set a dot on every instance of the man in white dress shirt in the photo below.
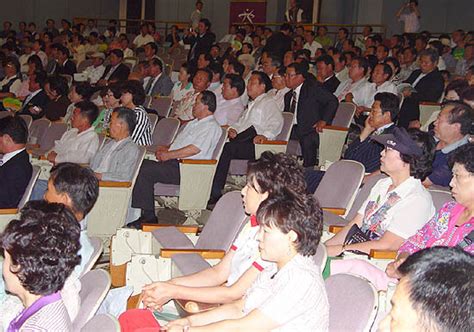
(352, 90)
(262, 120)
(196, 141)
(94, 72)
(229, 103)
(144, 37)
(311, 44)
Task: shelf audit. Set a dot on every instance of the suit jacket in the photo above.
(331, 84)
(68, 68)
(278, 44)
(314, 104)
(14, 177)
(163, 86)
(120, 74)
(40, 100)
(429, 88)
(201, 44)
(122, 163)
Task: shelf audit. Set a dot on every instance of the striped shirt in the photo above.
(143, 131)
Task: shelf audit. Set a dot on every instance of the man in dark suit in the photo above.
(64, 65)
(15, 167)
(314, 107)
(35, 103)
(158, 83)
(279, 43)
(325, 73)
(429, 85)
(116, 71)
(202, 41)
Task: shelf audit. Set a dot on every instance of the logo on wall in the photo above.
(247, 16)
(248, 12)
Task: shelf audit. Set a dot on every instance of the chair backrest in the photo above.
(38, 130)
(224, 223)
(284, 134)
(321, 256)
(98, 248)
(426, 110)
(363, 194)
(84, 64)
(68, 78)
(29, 187)
(440, 198)
(102, 322)
(220, 145)
(165, 131)
(141, 155)
(147, 101)
(5, 114)
(353, 303)
(53, 133)
(153, 120)
(344, 114)
(94, 286)
(28, 119)
(339, 185)
(161, 105)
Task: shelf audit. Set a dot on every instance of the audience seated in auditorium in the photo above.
(428, 84)
(116, 160)
(466, 62)
(279, 88)
(451, 129)
(116, 71)
(41, 251)
(182, 86)
(184, 108)
(397, 206)
(229, 105)
(94, 72)
(110, 100)
(434, 294)
(15, 167)
(80, 91)
(133, 97)
(279, 42)
(354, 89)
(64, 65)
(261, 120)
(201, 41)
(314, 107)
(35, 102)
(57, 90)
(197, 140)
(158, 83)
(10, 85)
(144, 37)
(325, 73)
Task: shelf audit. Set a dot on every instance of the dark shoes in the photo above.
(137, 224)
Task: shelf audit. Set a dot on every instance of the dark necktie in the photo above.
(293, 102)
(149, 85)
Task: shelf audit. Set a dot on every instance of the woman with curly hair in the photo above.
(41, 251)
(397, 206)
(270, 176)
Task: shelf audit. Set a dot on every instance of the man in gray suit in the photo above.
(117, 159)
(158, 83)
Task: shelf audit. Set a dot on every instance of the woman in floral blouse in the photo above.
(454, 223)
(398, 205)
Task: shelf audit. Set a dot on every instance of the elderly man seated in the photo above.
(197, 140)
(77, 145)
(229, 103)
(116, 160)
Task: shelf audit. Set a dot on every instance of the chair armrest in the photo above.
(32, 146)
(114, 184)
(182, 229)
(42, 157)
(8, 211)
(268, 142)
(207, 254)
(338, 128)
(335, 229)
(337, 211)
(429, 103)
(383, 254)
(198, 161)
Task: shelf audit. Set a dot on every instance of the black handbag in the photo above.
(356, 235)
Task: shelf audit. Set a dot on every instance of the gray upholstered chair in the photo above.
(98, 248)
(153, 120)
(440, 197)
(46, 143)
(37, 130)
(353, 303)
(162, 105)
(28, 119)
(321, 256)
(103, 322)
(164, 134)
(94, 286)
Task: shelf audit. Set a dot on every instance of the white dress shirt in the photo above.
(264, 115)
(141, 40)
(203, 134)
(279, 96)
(7, 156)
(94, 73)
(343, 75)
(313, 47)
(228, 111)
(75, 147)
(370, 90)
(358, 89)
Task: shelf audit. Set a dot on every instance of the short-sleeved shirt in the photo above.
(246, 252)
(402, 211)
(295, 297)
(412, 22)
(203, 134)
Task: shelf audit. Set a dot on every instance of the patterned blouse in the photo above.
(441, 230)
